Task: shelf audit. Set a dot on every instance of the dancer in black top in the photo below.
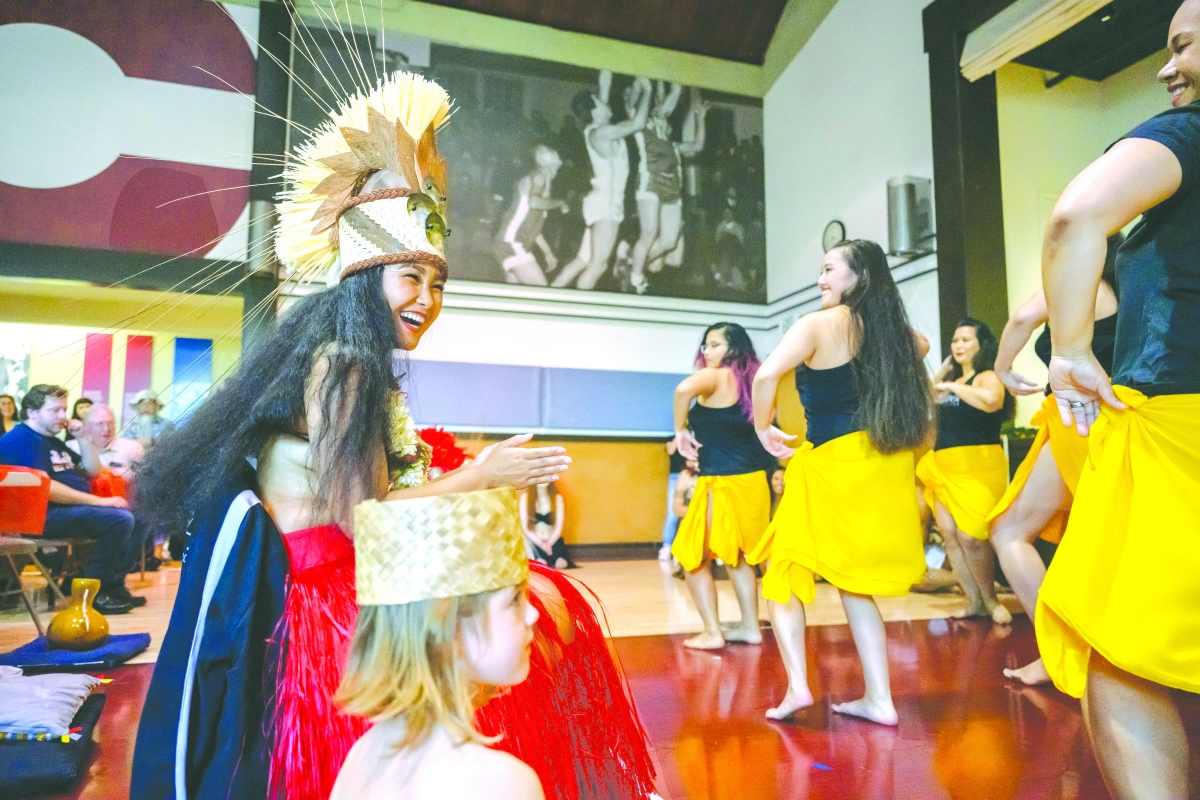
(965, 474)
(1118, 615)
(731, 504)
(1039, 496)
(848, 511)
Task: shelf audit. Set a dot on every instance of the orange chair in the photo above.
(24, 498)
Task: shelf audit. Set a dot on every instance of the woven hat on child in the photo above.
(437, 547)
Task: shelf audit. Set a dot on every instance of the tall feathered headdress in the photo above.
(369, 187)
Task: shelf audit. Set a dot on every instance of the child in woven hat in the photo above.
(445, 617)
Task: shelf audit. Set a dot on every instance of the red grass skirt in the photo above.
(571, 721)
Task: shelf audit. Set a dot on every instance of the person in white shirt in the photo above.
(116, 453)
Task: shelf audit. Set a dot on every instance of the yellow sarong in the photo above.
(741, 509)
(968, 481)
(1070, 452)
(1126, 578)
(849, 514)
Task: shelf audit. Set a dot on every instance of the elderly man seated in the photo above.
(74, 511)
(117, 454)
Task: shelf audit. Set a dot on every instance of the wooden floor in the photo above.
(640, 598)
(963, 733)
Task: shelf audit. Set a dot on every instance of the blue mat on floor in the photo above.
(38, 657)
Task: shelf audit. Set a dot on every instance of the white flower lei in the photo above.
(407, 446)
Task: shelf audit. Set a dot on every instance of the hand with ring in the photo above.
(1080, 385)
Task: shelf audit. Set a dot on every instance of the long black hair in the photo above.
(350, 329)
(894, 396)
(739, 357)
(984, 360)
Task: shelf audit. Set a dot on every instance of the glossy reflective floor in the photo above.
(964, 731)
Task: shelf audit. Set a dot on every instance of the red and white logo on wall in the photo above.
(127, 125)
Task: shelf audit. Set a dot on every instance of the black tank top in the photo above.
(830, 400)
(730, 445)
(1104, 340)
(961, 424)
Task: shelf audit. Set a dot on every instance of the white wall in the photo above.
(849, 112)
(522, 339)
(1047, 136)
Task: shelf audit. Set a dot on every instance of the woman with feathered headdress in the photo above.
(241, 703)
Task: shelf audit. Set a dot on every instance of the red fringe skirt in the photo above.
(572, 720)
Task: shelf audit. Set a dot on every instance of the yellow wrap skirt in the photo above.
(968, 481)
(1126, 578)
(848, 514)
(1070, 452)
(741, 510)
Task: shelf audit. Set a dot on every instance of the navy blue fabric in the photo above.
(37, 655)
(960, 424)
(113, 530)
(38, 769)
(1158, 270)
(729, 445)
(228, 753)
(830, 401)
(25, 447)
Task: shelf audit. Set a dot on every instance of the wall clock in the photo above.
(834, 232)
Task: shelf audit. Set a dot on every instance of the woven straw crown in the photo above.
(436, 547)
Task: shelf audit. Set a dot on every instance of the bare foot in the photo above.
(883, 713)
(969, 612)
(793, 701)
(1033, 674)
(705, 641)
(742, 635)
(1001, 615)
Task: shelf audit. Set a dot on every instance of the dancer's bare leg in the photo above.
(704, 594)
(745, 586)
(958, 562)
(1012, 536)
(866, 626)
(648, 219)
(788, 623)
(981, 560)
(578, 264)
(1137, 734)
(604, 239)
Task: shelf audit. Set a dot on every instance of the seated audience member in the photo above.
(8, 413)
(116, 453)
(147, 426)
(74, 511)
(79, 412)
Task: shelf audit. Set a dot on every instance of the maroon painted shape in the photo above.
(123, 208)
(162, 210)
(164, 40)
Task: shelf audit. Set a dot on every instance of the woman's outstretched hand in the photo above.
(1079, 386)
(687, 445)
(1018, 384)
(776, 442)
(506, 463)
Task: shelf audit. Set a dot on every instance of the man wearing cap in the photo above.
(147, 426)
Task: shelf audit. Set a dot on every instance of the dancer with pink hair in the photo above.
(731, 504)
